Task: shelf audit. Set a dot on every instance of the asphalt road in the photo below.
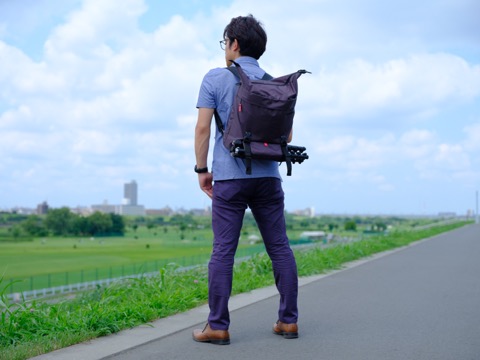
(421, 302)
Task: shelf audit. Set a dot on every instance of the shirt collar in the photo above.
(247, 60)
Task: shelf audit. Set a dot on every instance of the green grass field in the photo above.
(55, 261)
(53, 255)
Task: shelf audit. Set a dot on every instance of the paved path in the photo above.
(421, 302)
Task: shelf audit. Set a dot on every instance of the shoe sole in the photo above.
(215, 342)
(220, 342)
(287, 335)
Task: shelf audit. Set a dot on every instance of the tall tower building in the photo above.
(130, 193)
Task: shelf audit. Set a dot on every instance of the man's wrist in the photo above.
(200, 170)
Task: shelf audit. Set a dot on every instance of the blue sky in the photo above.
(94, 94)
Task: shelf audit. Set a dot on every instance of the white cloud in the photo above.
(108, 102)
(10, 117)
(417, 144)
(89, 29)
(356, 153)
(452, 157)
(95, 143)
(412, 86)
(20, 76)
(472, 141)
(433, 158)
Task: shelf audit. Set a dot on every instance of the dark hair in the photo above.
(250, 35)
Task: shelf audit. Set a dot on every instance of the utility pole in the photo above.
(476, 212)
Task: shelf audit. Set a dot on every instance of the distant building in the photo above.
(42, 208)
(23, 211)
(82, 210)
(130, 193)
(310, 212)
(447, 215)
(166, 211)
(470, 213)
(201, 212)
(105, 208)
(129, 204)
(135, 210)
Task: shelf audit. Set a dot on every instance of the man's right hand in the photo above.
(205, 180)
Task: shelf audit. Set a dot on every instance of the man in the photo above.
(233, 191)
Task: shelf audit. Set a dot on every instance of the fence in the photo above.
(72, 281)
(68, 282)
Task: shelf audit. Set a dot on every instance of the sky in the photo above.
(94, 94)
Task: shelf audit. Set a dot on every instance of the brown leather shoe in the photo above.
(288, 331)
(208, 335)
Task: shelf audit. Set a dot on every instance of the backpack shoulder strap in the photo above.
(234, 71)
(218, 121)
(267, 76)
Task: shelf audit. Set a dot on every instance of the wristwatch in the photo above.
(201, 170)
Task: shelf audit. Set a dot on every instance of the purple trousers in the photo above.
(265, 198)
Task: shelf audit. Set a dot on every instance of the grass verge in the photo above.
(32, 328)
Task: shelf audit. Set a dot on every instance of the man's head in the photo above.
(250, 36)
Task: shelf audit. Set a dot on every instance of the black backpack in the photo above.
(261, 119)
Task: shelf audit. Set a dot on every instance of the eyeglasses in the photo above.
(223, 43)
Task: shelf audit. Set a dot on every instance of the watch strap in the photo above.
(200, 170)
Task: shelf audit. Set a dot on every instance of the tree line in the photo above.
(62, 222)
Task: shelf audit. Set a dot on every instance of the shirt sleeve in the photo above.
(206, 97)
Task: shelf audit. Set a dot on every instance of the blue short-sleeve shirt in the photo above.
(217, 92)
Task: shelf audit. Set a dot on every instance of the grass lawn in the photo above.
(55, 261)
(58, 255)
